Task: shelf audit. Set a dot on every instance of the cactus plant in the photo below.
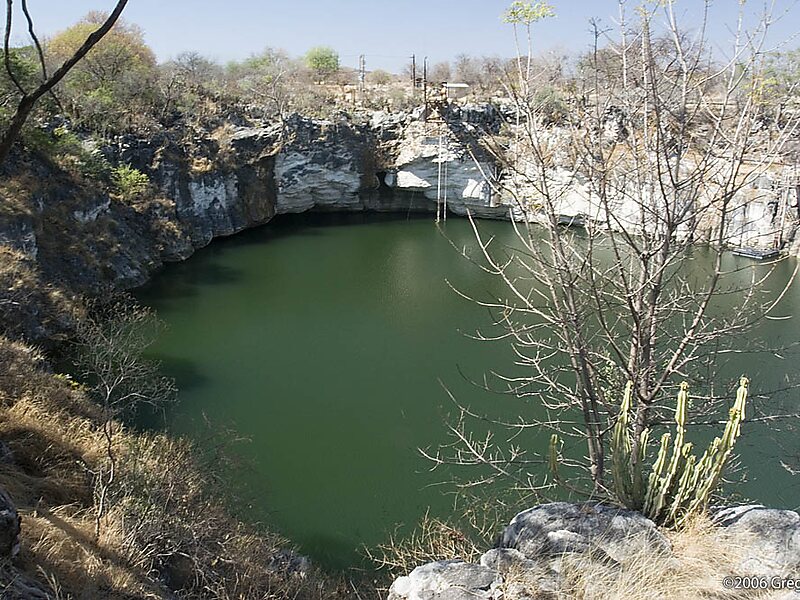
(553, 456)
(678, 485)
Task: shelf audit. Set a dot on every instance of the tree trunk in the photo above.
(11, 134)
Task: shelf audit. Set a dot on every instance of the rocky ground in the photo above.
(590, 550)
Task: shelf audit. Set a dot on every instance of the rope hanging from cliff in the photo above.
(441, 187)
(439, 180)
(444, 167)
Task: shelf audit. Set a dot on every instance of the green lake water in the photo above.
(326, 341)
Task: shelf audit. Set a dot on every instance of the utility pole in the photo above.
(425, 88)
(362, 75)
(413, 74)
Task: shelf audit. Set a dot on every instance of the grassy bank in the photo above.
(166, 528)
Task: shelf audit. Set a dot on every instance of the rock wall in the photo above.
(241, 177)
(207, 184)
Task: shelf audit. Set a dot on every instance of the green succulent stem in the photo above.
(678, 485)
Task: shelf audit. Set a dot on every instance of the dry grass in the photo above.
(29, 308)
(433, 539)
(694, 571)
(15, 193)
(473, 529)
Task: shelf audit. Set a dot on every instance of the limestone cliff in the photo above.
(206, 184)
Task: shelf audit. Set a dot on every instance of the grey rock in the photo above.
(10, 526)
(525, 563)
(504, 560)
(770, 536)
(445, 580)
(445, 172)
(541, 541)
(550, 530)
(522, 577)
(287, 562)
(16, 584)
(92, 211)
(6, 454)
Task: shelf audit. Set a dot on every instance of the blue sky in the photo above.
(386, 32)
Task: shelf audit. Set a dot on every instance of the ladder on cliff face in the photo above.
(442, 158)
(790, 184)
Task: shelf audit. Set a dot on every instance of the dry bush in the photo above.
(176, 525)
(433, 539)
(48, 426)
(466, 536)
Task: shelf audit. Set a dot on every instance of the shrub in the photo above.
(130, 183)
(114, 87)
(551, 105)
(323, 61)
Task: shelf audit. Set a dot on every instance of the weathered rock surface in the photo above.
(440, 168)
(771, 537)
(550, 530)
(446, 580)
(526, 562)
(528, 559)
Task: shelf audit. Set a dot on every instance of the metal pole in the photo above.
(362, 75)
(413, 74)
(425, 88)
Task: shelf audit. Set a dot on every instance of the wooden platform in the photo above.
(757, 253)
(572, 220)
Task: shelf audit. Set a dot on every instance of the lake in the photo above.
(328, 340)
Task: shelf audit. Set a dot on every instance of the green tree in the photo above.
(116, 83)
(23, 67)
(323, 61)
(780, 85)
(130, 183)
(29, 96)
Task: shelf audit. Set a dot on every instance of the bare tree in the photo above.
(440, 72)
(110, 359)
(609, 208)
(29, 98)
